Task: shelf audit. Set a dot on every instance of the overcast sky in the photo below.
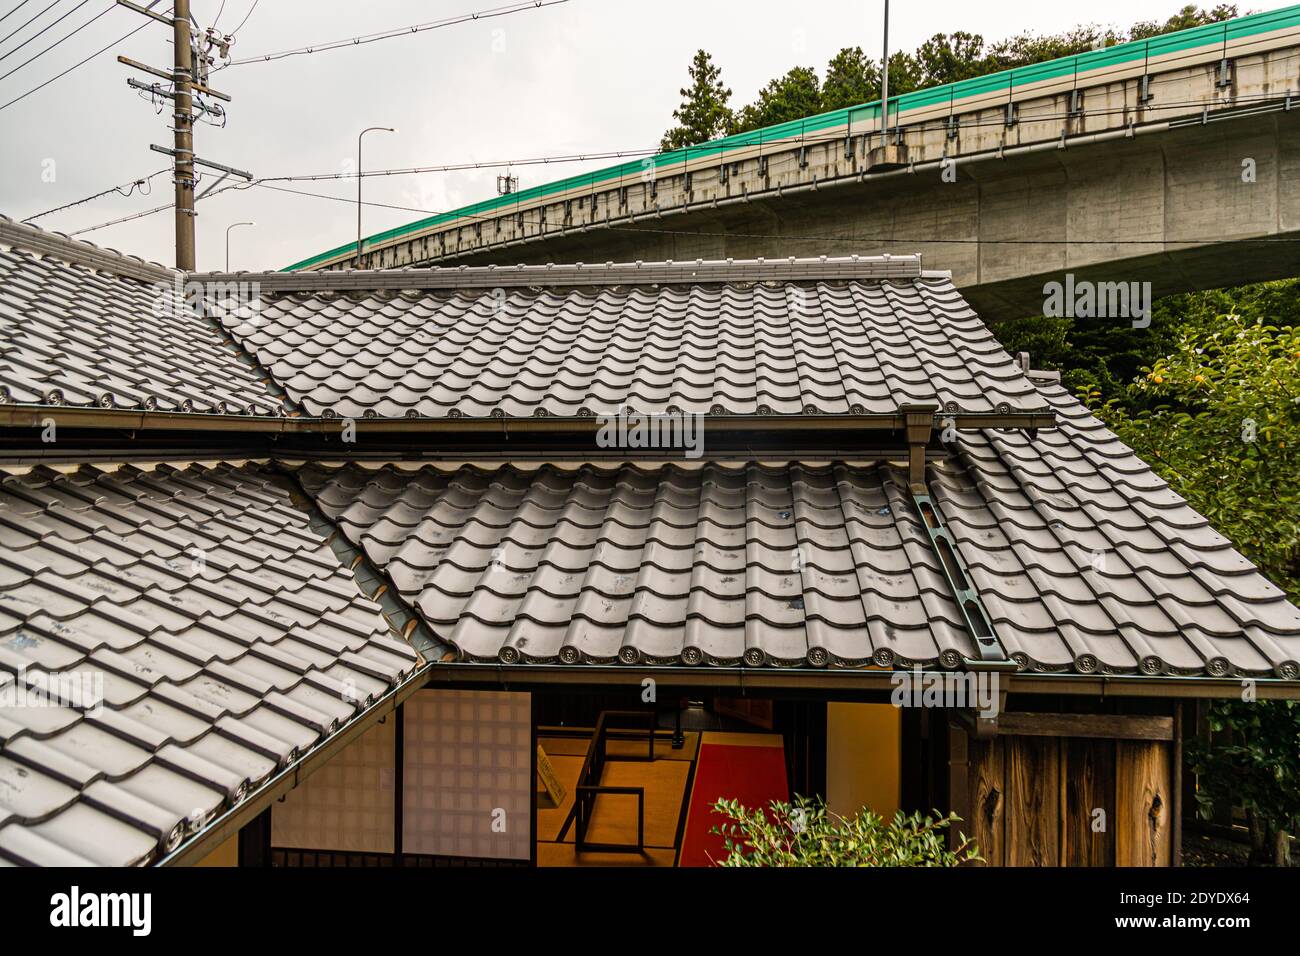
(581, 76)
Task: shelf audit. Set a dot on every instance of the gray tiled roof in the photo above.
(781, 565)
(799, 564)
(789, 348)
(227, 636)
(668, 565)
(1088, 561)
(73, 335)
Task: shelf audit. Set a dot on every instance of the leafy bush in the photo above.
(1257, 768)
(1219, 419)
(807, 833)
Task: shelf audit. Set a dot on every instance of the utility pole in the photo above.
(183, 139)
(188, 77)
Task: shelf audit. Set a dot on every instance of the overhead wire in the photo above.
(397, 32)
(21, 4)
(29, 22)
(46, 29)
(56, 43)
(243, 21)
(76, 65)
(130, 188)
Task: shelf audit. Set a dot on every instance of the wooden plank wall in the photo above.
(1071, 801)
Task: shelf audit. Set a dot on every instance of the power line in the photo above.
(46, 29)
(137, 215)
(21, 4)
(786, 143)
(33, 19)
(457, 167)
(349, 201)
(788, 237)
(79, 63)
(401, 31)
(55, 43)
(220, 10)
(241, 22)
(240, 187)
(130, 187)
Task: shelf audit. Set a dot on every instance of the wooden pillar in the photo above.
(958, 778)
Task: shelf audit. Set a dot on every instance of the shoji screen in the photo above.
(348, 804)
(467, 778)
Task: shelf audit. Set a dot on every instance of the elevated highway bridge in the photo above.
(1174, 160)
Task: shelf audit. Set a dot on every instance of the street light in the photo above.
(369, 129)
(228, 228)
(884, 84)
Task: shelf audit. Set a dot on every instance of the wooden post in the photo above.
(958, 779)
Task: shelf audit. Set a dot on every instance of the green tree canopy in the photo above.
(789, 97)
(852, 78)
(704, 113)
(947, 58)
(1219, 419)
(1188, 16)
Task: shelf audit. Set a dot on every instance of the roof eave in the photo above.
(831, 681)
(234, 819)
(68, 416)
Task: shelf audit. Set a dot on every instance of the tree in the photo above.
(948, 58)
(1219, 419)
(1188, 16)
(851, 80)
(904, 74)
(790, 97)
(704, 113)
(806, 833)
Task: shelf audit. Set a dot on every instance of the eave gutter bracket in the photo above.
(918, 423)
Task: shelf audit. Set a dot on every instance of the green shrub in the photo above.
(806, 833)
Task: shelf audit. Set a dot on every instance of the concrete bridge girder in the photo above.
(1132, 174)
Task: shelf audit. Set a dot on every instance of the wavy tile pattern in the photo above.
(827, 348)
(224, 634)
(1085, 560)
(71, 335)
(1088, 562)
(781, 566)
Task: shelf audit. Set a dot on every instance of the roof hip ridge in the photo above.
(36, 240)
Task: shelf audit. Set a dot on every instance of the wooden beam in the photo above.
(1112, 726)
(147, 12)
(152, 70)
